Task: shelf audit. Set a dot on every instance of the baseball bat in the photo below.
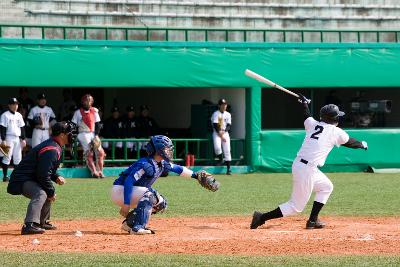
(262, 79)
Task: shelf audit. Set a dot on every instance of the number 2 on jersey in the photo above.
(318, 130)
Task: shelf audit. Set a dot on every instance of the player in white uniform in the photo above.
(221, 121)
(88, 120)
(40, 117)
(321, 137)
(12, 129)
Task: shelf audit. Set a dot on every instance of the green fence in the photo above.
(198, 34)
(202, 149)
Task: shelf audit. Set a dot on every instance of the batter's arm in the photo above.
(353, 143)
(304, 101)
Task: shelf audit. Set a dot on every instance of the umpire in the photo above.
(34, 175)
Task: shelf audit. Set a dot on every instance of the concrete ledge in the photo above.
(115, 171)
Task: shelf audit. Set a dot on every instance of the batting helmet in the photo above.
(330, 113)
(161, 145)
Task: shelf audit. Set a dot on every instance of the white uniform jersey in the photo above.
(77, 119)
(320, 138)
(44, 113)
(222, 119)
(13, 123)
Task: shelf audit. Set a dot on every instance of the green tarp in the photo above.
(53, 63)
(279, 148)
(168, 64)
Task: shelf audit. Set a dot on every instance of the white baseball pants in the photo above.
(39, 136)
(15, 150)
(220, 146)
(306, 180)
(85, 138)
(117, 195)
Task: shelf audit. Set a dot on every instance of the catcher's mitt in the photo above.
(37, 122)
(207, 181)
(4, 149)
(96, 143)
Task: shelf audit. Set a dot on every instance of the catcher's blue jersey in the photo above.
(144, 173)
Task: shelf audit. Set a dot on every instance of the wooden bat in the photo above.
(262, 79)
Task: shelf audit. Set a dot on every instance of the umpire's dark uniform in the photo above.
(34, 178)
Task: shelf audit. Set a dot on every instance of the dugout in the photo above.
(187, 67)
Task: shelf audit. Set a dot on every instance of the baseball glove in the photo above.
(37, 122)
(4, 149)
(207, 181)
(96, 143)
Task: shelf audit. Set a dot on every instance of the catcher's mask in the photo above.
(330, 114)
(67, 127)
(161, 145)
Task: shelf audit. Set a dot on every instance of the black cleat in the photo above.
(48, 226)
(228, 172)
(315, 224)
(257, 220)
(6, 179)
(31, 229)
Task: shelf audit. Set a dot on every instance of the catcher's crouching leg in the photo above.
(90, 163)
(138, 218)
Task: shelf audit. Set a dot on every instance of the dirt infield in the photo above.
(216, 235)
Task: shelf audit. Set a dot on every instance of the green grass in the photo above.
(355, 194)
(100, 259)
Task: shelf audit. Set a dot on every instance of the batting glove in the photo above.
(365, 145)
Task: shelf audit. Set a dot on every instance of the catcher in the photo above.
(88, 120)
(133, 188)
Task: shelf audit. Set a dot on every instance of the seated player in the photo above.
(133, 188)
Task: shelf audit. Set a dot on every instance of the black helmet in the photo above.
(330, 113)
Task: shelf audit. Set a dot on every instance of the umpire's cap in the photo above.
(12, 100)
(66, 127)
(222, 101)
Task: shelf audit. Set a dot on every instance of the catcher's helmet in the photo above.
(86, 97)
(330, 113)
(162, 145)
(67, 127)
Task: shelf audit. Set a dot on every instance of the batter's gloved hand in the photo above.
(303, 100)
(365, 145)
(207, 181)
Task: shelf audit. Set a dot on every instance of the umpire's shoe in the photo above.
(31, 229)
(315, 224)
(257, 220)
(48, 226)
